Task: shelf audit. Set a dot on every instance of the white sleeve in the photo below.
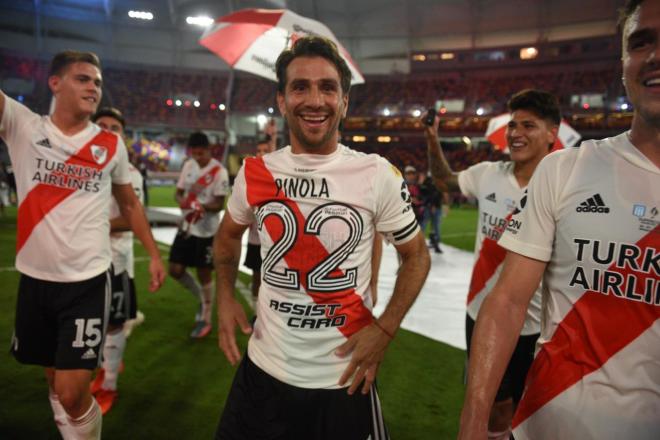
(181, 184)
(469, 179)
(221, 185)
(15, 117)
(120, 174)
(394, 217)
(238, 206)
(138, 183)
(531, 231)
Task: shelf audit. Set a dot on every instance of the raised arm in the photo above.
(226, 257)
(442, 174)
(497, 329)
(132, 211)
(369, 344)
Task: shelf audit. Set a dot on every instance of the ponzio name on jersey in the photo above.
(632, 271)
(310, 315)
(302, 187)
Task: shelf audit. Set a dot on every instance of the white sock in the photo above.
(504, 435)
(113, 352)
(87, 426)
(193, 287)
(207, 301)
(59, 414)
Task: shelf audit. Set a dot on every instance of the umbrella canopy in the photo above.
(567, 136)
(252, 39)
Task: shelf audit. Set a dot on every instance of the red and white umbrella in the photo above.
(252, 39)
(567, 136)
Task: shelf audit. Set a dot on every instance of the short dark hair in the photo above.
(63, 59)
(111, 112)
(263, 139)
(313, 46)
(627, 10)
(198, 139)
(541, 103)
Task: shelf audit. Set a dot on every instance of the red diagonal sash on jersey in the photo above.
(202, 183)
(491, 255)
(307, 251)
(595, 329)
(43, 198)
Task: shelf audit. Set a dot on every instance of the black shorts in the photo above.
(261, 407)
(192, 251)
(253, 257)
(513, 381)
(123, 303)
(61, 325)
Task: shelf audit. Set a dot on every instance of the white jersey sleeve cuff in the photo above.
(514, 245)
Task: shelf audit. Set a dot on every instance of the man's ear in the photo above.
(54, 83)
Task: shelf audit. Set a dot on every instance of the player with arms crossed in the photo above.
(318, 205)
(590, 228)
(67, 169)
(123, 305)
(200, 193)
(498, 186)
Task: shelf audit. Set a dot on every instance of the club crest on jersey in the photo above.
(99, 154)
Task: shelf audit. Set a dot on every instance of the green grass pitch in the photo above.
(175, 388)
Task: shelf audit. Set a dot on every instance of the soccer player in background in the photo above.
(200, 193)
(123, 302)
(67, 169)
(317, 205)
(498, 187)
(590, 229)
(253, 254)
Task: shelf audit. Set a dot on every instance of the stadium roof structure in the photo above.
(375, 32)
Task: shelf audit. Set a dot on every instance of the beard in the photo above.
(307, 142)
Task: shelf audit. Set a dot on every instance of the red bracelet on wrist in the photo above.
(377, 324)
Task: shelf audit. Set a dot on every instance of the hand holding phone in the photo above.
(429, 119)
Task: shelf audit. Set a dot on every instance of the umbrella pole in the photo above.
(228, 129)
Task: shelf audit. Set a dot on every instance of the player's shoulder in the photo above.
(493, 167)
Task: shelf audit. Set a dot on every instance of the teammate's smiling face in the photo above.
(641, 61)
(78, 89)
(529, 137)
(313, 105)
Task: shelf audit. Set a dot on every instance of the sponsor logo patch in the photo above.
(593, 204)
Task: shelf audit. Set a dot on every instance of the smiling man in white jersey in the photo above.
(67, 169)
(317, 205)
(123, 304)
(590, 227)
(498, 187)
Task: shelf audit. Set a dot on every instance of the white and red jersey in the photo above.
(121, 243)
(498, 194)
(203, 185)
(593, 215)
(64, 186)
(316, 215)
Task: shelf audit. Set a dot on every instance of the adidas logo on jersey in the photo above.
(89, 354)
(491, 197)
(44, 143)
(593, 204)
